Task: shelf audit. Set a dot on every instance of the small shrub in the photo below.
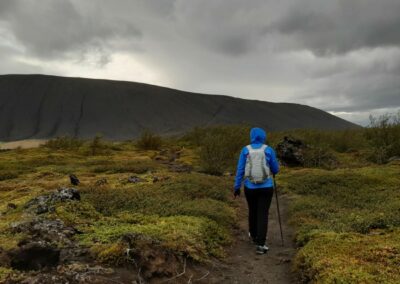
(149, 141)
(319, 157)
(214, 155)
(220, 148)
(383, 135)
(344, 141)
(97, 146)
(63, 143)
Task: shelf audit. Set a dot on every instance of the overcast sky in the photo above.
(342, 56)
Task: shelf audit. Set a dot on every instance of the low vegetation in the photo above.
(347, 223)
(218, 146)
(149, 141)
(139, 196)
(125, 191)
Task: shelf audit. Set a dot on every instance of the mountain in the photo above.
(41, 106)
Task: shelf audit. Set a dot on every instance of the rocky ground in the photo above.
(49, 253)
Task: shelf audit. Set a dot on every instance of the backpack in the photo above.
(257, 170)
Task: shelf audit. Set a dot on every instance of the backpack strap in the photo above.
(263, 147)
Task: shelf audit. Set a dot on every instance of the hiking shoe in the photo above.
(262, 249)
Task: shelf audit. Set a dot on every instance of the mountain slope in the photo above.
(41, 106)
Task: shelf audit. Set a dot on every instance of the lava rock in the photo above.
(43, 208)
(67, 193)
(180, 168)
(74, 273)
(52, 231)
(11, 206)
(134, 179)
(74, 179)
(34, 256)
(45, 203)
(291, 151)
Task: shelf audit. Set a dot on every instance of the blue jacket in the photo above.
(257, 138)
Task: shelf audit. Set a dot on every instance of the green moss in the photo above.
(139, 166)
(350, 258)
(174, 197)
(210, 208)
(76, 213)
(346, 200)
(196, 237)
(346, 220)
(8, 239)
(4, 272)
(110, 253)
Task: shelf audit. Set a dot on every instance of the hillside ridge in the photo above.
(44, 106)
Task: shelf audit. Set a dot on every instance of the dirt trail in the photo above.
(243, 265)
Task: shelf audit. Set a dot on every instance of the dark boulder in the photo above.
(291, 151)
(74, 179)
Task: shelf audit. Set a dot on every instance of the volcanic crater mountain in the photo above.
(42, 106)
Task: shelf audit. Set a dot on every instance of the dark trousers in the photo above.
(258, 201)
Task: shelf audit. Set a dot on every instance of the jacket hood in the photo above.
(257, 136)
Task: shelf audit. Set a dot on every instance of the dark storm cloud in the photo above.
(52, 28)
(338, 55)
(332, 27)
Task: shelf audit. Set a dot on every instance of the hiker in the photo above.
(257, 164)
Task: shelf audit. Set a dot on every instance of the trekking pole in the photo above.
(277, 207)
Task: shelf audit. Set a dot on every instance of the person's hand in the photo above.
(236, 192)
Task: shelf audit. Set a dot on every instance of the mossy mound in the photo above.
(350, 258)
(347, 222)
